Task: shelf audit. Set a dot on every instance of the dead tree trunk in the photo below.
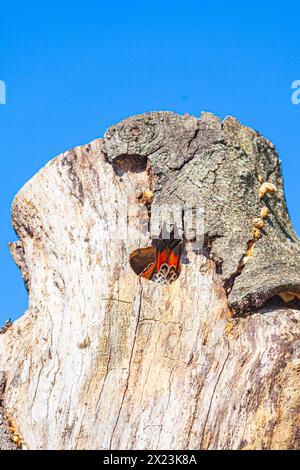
(104, 359)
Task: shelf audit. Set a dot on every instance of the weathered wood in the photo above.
(219, 164)
(103, 359)
(6, 442)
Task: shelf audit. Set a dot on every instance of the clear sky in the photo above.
(74, 68)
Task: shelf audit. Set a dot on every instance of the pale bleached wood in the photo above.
(105, 360)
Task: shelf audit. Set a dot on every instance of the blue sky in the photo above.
(74, 68)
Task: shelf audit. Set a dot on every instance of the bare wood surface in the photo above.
(105, 360)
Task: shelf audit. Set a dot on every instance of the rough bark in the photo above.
(103, 359)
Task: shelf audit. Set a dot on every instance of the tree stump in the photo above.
(104, 359)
